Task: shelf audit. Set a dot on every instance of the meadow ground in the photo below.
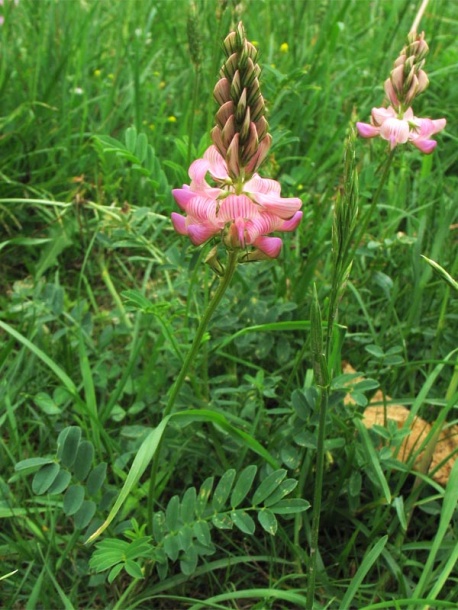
(104, 107)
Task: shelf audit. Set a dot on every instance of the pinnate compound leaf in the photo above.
(172, 513)
(68, 442)
(188, 505)
(172, 546)
(268, 521)
(243, 521)
(73, 499)
(268, 486)
(96, 478)
(83, 460)
(44, 478)
(133, 569)
(203, 496)
(32, 463)
(282, 490)
(202, 532)
(60, 483)
(188, 562)
(243, 485)
(223, 489)
(108, 553)
(159, 530)
(222, 521)
(142, 147)
(130, 137)
(185, 535)
(290, 506)
(84, 514)
(114, 572)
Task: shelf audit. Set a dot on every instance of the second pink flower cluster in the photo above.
(401, 128)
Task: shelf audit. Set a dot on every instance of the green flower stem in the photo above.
(317, 496)
(365, 220)
(188, 361)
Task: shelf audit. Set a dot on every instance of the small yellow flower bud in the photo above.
(284, 47)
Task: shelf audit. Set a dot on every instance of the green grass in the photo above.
(85, 232)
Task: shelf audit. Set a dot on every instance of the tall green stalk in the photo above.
(188, 361)
(345, 240)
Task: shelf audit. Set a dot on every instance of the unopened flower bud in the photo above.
(222, 91)
(213, 261)
(244, 115)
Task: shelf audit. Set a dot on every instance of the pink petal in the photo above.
(198, 170)
(269, 245)
(201, 208)
(408, 115)
(183, 196)
(217, 165)
(236, 206)
(396, 131)
(262, 185)
(179, 223)
(428, 127)
(426, 146)
(367, 131)
(199, 233)
(263, 224)
(292, 223)
(380, 115)
(282, 207)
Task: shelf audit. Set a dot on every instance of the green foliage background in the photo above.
(102, 111)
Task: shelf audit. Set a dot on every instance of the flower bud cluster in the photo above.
(240, 134)
(408, 79)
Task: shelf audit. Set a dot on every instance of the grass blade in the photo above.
(368, 561)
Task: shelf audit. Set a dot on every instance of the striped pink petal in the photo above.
(282, 207)
(236, 206)
(217, 165)
(200, 233)
(262, 185)
(201, 208)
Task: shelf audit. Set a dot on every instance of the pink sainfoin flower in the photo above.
(239, 206)
(397, 124)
